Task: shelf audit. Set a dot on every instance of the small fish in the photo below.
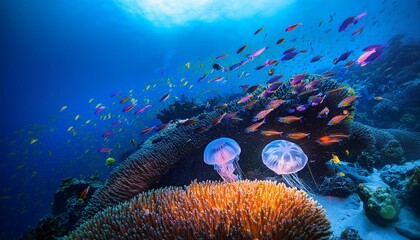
(274, 87)
(98, 105)
(156, 140)
(313, 83)
(274, 79)
(378, 98)
(218, 119)
(217, 79)
(347, 101)
(298, 78)
(335, 159)
(116, 123)
(328, 142)
(33, 141)
(293, 27)
(142, 109)
(316, 58)
(302, 107)
(259, 30)
(349, 64)
(83, 193)
(147, 130)
(241, 49)
(342, 57)
(230, 115)
(358, 17)
(162, 126)
(63, 108)
(362, 59)
(373, 47)
(128, 108)
(347, 152)
(188, 65)
(188, 122)
(357, 31)
(262, 114)
(338, 136)
(202, 77)
(125, 99)
(245, 98)
(289, 119)
(289, 50)
(280, 40)
(271, 71)
(310, 91)
(202, 116)
(298, 135)
(275, 103)
(346, 23)
(108, 133)
(323, 113)
(99, 110)
(133, 143)
(254, 127)
(200, 129)
(115, 93)
(77, 117)
(224, 105)
(250, 104)
(105, 150)
(165, 97)
(222, 56)
(217, 67)
(328, 74)
(269, 133)
(334, 91)
(91, 100)
(289, 56)
(252, 88)
(257, 53)
(337, 120)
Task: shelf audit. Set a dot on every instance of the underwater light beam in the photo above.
(169, 13)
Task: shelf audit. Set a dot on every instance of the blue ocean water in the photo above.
(65, 53)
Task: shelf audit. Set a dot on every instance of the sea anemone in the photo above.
(212, 210)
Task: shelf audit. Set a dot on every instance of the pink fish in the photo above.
(357, 31)
(356, 19)
(106, 134)
(262, 114)
(298, 78)
(254, 127)
(256, 53)
(292, 27)
(244, 99)
(142, 109)
(116, 123)
(105, 150)
(99, 110)
(362, 59)
(275, 103)
(128, 108)
(217, 79)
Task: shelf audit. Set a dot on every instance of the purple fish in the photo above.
(289, 50)
(289, 56)
(342, 57)
(298, 78)
(202, 78)
(142, 109)
(106, 134)
(274, 87)
(356, 19)
(236, 66)
(115, 93)
(297, 88)
(274, 79)
(302, 107)
(375, 47)
(346, 23)
(98, 110)
(316, 100)
(316, 58)
(256, 53)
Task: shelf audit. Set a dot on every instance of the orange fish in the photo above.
(329, 142)
(187, 122)
(125, 99)
(347, 101)
(379, 98)
(338, 135)
(324, 138)
(262, 114)
(336, 90)
(289, 119)
(254, 127)
(84, 193)
(275, 103)
(244, 99)
(324, 113)
(292, 27)
(250, 104)
(298, 135)
(337, 119)
(271, 133)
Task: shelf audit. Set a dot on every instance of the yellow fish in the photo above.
(87, 122)
(77, 117)
(185, 83)
(335, 159)
(191, 86)
(188, 65)
(63, 108)
(98, 105)
(34, 141)
(147, 87)
(347, 152)
(91, 100)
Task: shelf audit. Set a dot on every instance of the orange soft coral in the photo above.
(212, 210)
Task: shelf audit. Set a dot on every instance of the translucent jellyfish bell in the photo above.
(285, 158)
(223, 153)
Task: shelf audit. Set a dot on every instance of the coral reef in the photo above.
(149, 165)
(337, 186)
(397, 176)
(350, 234)
(380, 206)
(210, 210)
(66, 208)
(413, 191)
(180, 109)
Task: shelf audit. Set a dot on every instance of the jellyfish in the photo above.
(285, 158)
(223, 154)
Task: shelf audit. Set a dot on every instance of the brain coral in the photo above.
(212, 210)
